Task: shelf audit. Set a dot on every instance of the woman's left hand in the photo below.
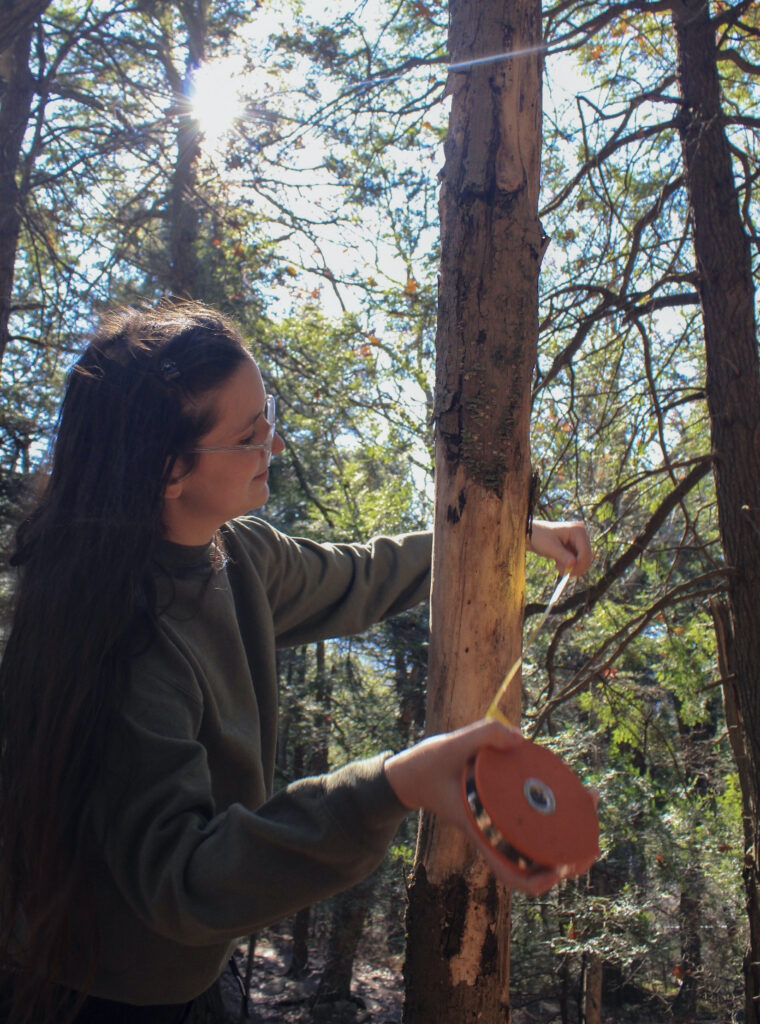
(567, 543)
(429, 775)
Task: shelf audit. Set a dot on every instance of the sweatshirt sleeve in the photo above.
(318, 591)
(199, 877)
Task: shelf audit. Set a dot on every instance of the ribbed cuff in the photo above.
(363, 801)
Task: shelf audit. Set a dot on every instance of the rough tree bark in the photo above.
(16, 18)
(349, 915)
(733, 397)
(592, 989)
(458, 936)
(183, 216)
(16, 92)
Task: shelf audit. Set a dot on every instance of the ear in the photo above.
(176, 481)
(173, 489)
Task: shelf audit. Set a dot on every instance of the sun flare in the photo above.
(216, 100)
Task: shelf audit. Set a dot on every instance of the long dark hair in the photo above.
(134, 405)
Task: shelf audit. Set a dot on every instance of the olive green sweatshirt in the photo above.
(192, 849)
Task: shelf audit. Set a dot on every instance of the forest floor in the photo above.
(377, 988)
(276, 998)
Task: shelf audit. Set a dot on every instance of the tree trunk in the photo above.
(17, 20)
(733, 397)
(299, 954)
(183, 225)
(184, 219)
(16, 92)
(318, 760)
(689, 923)
(592, 989)
(411, 697)
(295, 688)
(698, 769)
(737, 735)
(349, 912)
(458, 935)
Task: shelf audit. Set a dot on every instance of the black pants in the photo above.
(206, 1009)
(104, 1011)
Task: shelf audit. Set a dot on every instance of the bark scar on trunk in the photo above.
(453, 515)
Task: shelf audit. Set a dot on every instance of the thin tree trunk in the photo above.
(737, 736)
(15, 107)
(592, 989)
(183, 228)
(299, 957)
(295, 688)
(698, 764)
(411, 698)
(458, 935)
(349, 913)
(319, 756)
(184, 218)
(733, 397)
(317, 762)
(249, 958)
(563, 972)
(689, 922)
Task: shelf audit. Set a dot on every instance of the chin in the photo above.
(259, 498)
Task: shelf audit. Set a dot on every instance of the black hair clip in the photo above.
(169, 369)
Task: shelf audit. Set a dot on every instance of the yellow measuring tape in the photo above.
(493, 710)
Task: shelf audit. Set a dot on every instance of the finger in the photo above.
(582, 560)
(566, 564)
(579, 547)
(486, 732)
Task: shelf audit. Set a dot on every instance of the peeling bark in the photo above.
(457, 968)
(457, 973)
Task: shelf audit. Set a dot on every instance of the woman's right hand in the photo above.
(429, 776)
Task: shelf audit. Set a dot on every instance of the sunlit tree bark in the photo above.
(457, 963)
(184, 218)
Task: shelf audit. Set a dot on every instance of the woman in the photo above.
(140, 836)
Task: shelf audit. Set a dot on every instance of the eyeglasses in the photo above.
(270, 416)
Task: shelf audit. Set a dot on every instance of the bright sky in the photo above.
(224, 95)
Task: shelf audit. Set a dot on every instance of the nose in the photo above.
(277, 446)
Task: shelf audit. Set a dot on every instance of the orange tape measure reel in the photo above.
(532, 809)
(526, 803)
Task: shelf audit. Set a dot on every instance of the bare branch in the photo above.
(590, 595)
